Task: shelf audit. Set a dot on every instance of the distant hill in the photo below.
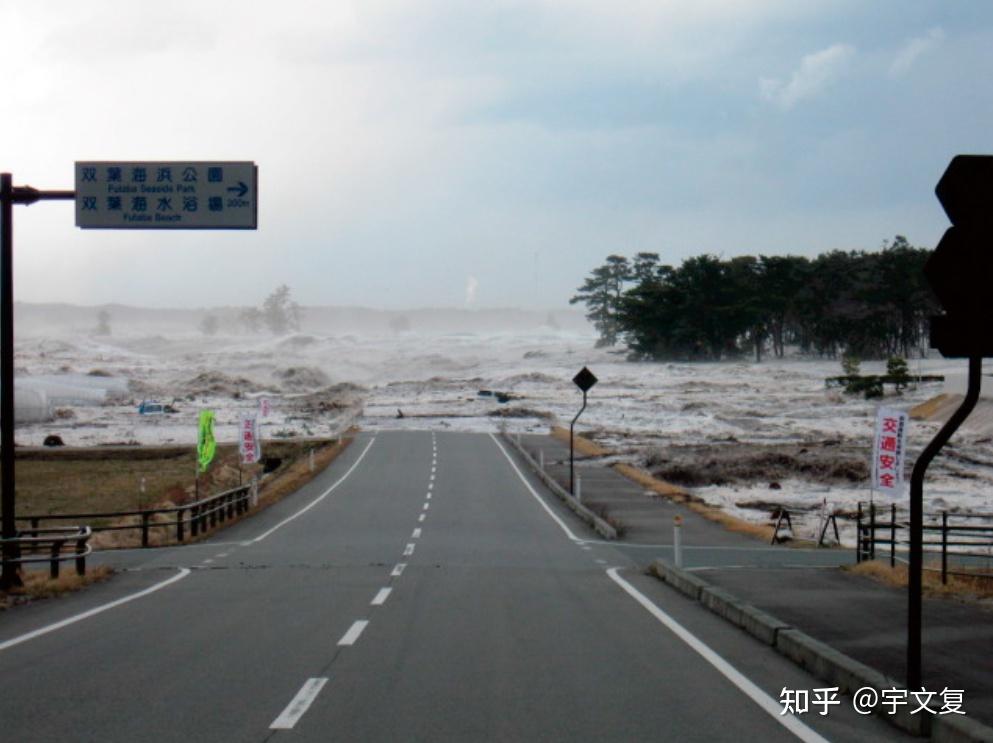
(42, 319)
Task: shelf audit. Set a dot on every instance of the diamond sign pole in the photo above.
(584, 380)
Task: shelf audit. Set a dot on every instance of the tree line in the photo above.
(871, 305)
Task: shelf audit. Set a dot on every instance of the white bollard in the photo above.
(579, 489)
(677, 540)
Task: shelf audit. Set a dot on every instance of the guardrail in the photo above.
(55, 539)
(200, 516)
(957, 538)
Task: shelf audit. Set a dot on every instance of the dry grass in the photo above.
(929, 408)
(101, 480)
(107, 479)
(582, 445)
(960, 587)
(37, 584)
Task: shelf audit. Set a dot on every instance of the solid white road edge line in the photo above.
(300, 704)
(183, 572)
(319, 498)
(537, 497)
(384, 593)
(354, 632)
(753, 692)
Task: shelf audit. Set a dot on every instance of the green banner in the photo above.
(206, 446)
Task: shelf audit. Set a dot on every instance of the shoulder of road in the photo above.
(845, 629)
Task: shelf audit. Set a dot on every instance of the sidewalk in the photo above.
(867, 621)
(858, 617)
(643, 516)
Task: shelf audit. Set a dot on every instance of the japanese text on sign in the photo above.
(249, 446)
(888, 450)
(166, 195)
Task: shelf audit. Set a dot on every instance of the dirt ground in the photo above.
(830, 461)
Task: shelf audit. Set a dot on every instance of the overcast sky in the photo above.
(485, 153)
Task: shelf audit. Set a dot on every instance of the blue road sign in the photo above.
(167, 195)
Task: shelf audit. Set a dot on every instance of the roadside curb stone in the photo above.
(820, 659)
(602, 527)
(682, 581)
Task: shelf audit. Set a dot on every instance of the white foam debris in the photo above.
(319, 384)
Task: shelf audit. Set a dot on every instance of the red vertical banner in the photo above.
(249, 446)
(889, 451)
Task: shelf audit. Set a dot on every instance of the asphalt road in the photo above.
(421, 588)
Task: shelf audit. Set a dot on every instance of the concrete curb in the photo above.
(602, 527)
(820, 659)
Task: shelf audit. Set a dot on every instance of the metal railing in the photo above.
(962, 541)
(54, 539)
(199, 516)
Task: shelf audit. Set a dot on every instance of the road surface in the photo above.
(422, 588)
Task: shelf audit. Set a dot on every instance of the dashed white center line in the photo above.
(384, 593)
(408, 550)
(354, 632)
(432, 478)
(223, 554)
(416, 534)
(421, 517)
(433, 469)
(300, 704)
(428, 495)
(430, 485)
(208, 561)
(398, 570)
(427, 506)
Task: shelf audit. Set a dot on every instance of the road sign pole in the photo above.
(9, 195)
(572, 448)
(585, 380)
(10, 576)
(960, 271)
(917, 521)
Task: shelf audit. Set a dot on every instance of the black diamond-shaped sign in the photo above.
(585, 379)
